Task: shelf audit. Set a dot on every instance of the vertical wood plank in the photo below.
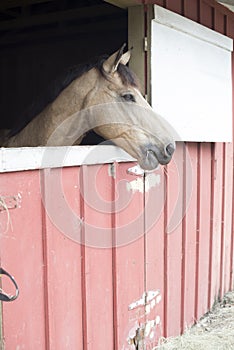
(21, 252)
(173, 244)
(189, 235)
(158, 2)
(230, 32)
(219, 22)
(231, 285)
(215, 239)
(203, 229)
(174, 5)
(63, 258)
(154, 260)
(98, 269)
(191, 9)
(129, 253)
(229, 27)
(206, 14)
(226, 252)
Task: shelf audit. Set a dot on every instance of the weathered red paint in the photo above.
(22, 254)
(128, 259)
(173, 244)
(225, 267)
(63, 261)
(189, 240)
(97, 262)
(76, 296)
(203, 229)
(155, 268)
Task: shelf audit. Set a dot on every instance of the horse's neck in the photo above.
(77, 95)
(70, 112)
(64, 120)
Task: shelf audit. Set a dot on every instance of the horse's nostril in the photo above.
(170, 149)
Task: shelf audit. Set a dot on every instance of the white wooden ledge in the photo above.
(31, 158)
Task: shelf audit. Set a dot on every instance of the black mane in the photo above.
(59, 84)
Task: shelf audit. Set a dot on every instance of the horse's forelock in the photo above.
(127, 76)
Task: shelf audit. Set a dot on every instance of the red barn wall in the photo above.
(206, 234)
(77, 296)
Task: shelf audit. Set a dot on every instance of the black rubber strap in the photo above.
(4, 296)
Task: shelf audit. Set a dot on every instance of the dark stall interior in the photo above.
(39, 39)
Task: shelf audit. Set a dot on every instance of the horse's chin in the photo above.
(151, 156)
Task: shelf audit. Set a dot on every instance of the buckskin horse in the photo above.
(105, 97)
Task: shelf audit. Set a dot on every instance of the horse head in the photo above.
(126, 118)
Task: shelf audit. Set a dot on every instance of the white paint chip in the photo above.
(152, 180)
(147, 309)
(136, 185)
(152, 304)
(157, 320)
(158, 299)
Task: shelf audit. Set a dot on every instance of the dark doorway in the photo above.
(39, 39)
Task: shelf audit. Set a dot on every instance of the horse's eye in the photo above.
(129, 97)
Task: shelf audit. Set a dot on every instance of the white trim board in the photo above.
(191, 77)
(194, 29)
(31, 158)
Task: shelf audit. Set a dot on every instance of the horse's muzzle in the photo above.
(170, 149)
(163, 154)
(155, 155)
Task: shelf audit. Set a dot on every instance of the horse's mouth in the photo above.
(152, 159)
(153, 156)
(149, 161)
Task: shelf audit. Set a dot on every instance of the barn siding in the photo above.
(22, 253)
(207, 271)
(75, 296)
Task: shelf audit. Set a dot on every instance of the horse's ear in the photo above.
(112, 62)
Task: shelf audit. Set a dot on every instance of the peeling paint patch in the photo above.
(152, 180)
(136, 185)
(158, 299)
(111, 170)
(157, 320)
(136, 170)
(144, 328)
(143, 335)
(147, 298)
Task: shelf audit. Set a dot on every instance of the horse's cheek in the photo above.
(108, 132)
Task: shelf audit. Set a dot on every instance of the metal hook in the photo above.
(4, 296)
